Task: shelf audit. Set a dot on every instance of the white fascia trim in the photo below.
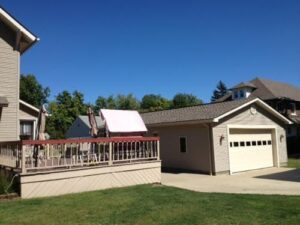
(13, 22)
(28, 105)
(261, 103)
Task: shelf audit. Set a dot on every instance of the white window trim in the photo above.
(294, 110)
(186, 146)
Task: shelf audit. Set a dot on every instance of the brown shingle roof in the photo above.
(268, 89)
(198, 113)
(244, 84)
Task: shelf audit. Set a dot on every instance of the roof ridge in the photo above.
(198, 105)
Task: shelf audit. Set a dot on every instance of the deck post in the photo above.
(110, 161)
(23, 169)
(158, 150)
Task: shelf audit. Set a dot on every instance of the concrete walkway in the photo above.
(283, 181)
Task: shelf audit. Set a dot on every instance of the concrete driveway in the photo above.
(283, 181)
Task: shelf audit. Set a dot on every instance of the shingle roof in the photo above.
(193, 113)
(100, 122)
(268, 89)
(3, 101)
(244, 84)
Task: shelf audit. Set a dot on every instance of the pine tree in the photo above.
(220, 91)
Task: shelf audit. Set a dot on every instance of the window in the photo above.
(253, 143)
(269, 142)
(242, 144)
(230, 144)
(26, 129)
(183, 144)
(235, 144)
(242, 94)
(264, 142)
(259, 143)
(248, 143)
(293, 109)
(236, 94)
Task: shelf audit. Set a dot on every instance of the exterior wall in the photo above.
(197, 156)
(221, 151)
(78, 129)
(9, 85)
(26, 113)
(90, 179)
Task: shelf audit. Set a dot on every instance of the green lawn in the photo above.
(294, 163)
(147, 204)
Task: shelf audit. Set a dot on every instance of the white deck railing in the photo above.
(33, 156)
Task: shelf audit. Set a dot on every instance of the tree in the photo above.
(182, 100)
(153, 102)
(105, 103)
(64, 110)
(127, 102)
(220, 91)
(32, 92)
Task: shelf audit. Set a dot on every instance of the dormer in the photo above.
(242, 90)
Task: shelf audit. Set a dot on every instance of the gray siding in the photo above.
(9, 87)
(197, 156)
(78, 130)
(221, 151)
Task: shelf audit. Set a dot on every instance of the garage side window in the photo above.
(183, 144)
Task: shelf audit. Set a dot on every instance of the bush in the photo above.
(4, 185)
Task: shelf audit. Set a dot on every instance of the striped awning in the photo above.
(3, 102)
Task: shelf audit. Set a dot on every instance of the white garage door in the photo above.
(250, 149)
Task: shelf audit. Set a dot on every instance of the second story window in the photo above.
(26, 129)
(293, 109)
(242, 94)
(236, 94)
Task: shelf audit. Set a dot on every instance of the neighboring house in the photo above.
(81, 127)
(283, 97)
(28, 116)
(15, 39)
(111, 123)
(219, 138)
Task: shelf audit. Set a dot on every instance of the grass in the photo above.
(147, 204)
(294, 163)
(6, 186)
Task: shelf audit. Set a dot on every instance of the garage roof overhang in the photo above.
(261, 104)
(22, 33)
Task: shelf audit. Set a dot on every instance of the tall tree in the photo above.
(153, 102)
(220, 91)
(105, 103)
(32, 92)
(127, 102)
(64, 111)
(182, 100)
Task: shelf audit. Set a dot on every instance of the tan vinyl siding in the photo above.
(26, 113)
(196, 156)
(221, 151)
(9, 88)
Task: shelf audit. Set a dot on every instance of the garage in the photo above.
(250, 149)
(220, 138)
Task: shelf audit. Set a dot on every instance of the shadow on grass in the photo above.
(291, 175)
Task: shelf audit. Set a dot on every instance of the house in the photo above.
(80, 128)
(15, 40)
(28, 116)
(283, 97)
(218, 138)
(111, 123)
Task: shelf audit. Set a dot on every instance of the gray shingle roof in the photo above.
(193, 113)
(100, 122)
(3, 101)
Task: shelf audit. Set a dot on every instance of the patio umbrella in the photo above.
(41, 124)
(93, 123)
(40, 131)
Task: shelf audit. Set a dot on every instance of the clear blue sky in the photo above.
(157, 46)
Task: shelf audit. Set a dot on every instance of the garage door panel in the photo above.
(248, 151)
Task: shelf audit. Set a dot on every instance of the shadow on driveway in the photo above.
(291, 175)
